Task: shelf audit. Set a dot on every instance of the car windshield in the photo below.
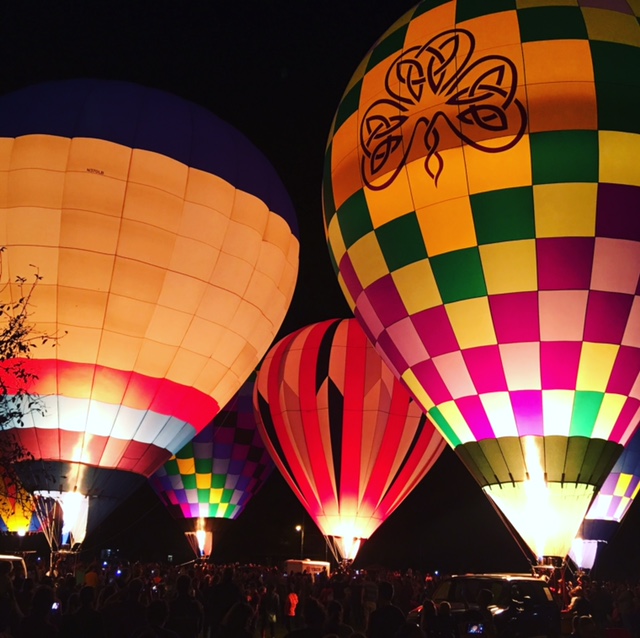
(463, 592)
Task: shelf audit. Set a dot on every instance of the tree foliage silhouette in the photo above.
(19, 337)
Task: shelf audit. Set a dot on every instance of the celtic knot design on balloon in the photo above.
(435, 88)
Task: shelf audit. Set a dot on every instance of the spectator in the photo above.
(314, 618)
(445, 624)
(587, 627)
(428, 618)
(238, 622)
(268, 611)
(219, 598)
(579, 605)
(387, 618)
(10, 612)
(157, 615)
(38, 623)
(86, 621)
(369, 597)
(290, 606)
(482, 617)
(409, 630)
(334, 624)
(124, 613)
(186, 614)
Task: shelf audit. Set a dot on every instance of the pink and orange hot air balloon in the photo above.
(481, 200)
(342, 430)
(167, 248)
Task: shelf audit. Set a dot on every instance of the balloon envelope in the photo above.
(220, 469)
(167, 250)
(341, 429)
(481, 200)
(617, 493)
(610, 505)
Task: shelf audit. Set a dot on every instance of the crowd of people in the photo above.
(112, 599)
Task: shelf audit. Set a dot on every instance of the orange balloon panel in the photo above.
(167, 250)
(342, 430)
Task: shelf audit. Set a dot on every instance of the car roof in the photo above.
(502, 577)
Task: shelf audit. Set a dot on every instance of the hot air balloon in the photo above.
(610, 506)
(481, 198)
(215, 475)
(167, 250)
(342, 430)
(17, 508)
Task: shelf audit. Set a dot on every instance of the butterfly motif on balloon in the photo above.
(438, 86)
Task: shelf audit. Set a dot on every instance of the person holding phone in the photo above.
(480, 621)
(39, 622)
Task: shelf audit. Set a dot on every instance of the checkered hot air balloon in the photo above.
(168, 254)
(482, 209)
(216, 474)
(342, 430)
(610, 506)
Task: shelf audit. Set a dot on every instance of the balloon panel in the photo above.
(341, 429)
(168, 255)
(621, 486)
(217, 473)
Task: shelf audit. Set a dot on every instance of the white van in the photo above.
(310, 566)
(19, 566)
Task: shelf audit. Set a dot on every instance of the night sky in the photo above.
(276, 71)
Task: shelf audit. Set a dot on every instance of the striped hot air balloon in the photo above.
(168, 254)
(481, 201)
(342, 430)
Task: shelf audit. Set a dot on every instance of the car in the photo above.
(522, 605)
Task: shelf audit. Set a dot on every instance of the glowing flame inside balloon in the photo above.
(584, 552)
(546, 515)
(75, 511)
(201, 535)
(75, 508)
(348, 546)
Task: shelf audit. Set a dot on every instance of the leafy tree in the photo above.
(18, 339)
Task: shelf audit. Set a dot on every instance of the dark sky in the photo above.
(275, 70)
